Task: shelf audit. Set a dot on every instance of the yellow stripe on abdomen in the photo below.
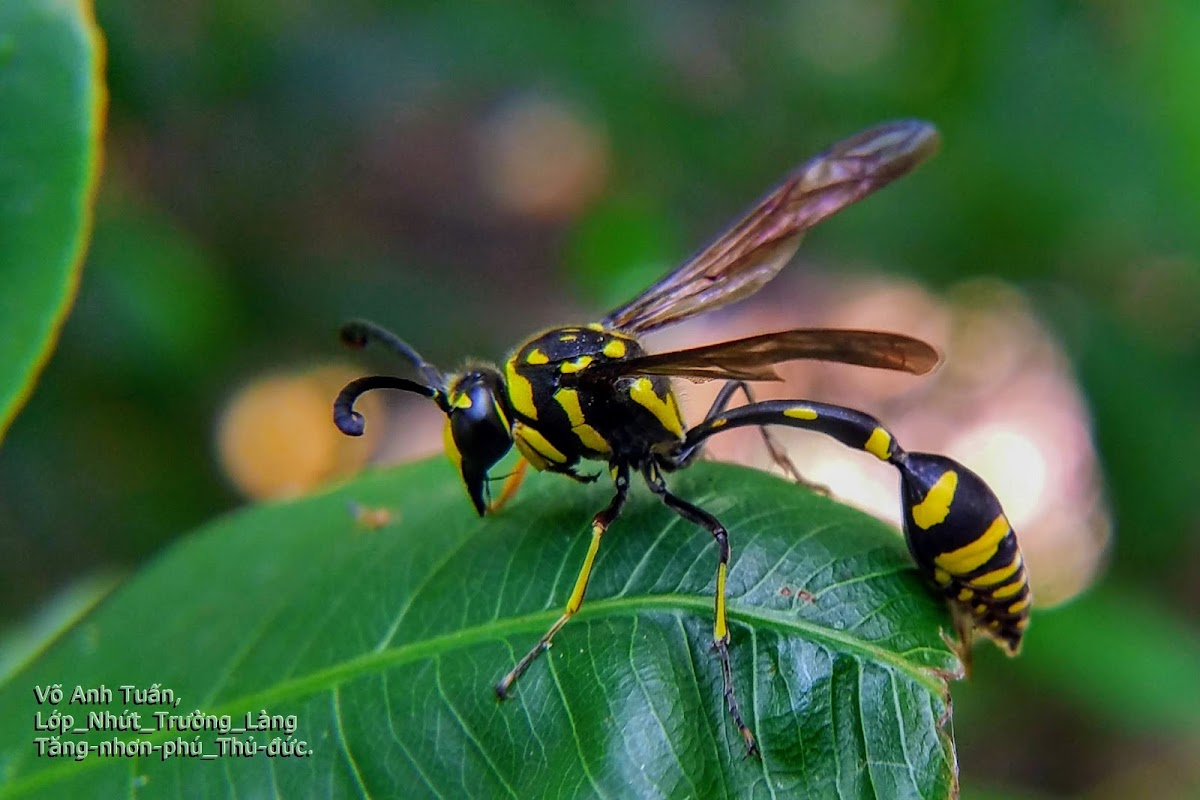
(936, 505)
(977, 553)
(997, 576)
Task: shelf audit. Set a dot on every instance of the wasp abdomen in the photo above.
(961, 539)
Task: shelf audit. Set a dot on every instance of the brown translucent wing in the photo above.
(754, 358)
(753, 251)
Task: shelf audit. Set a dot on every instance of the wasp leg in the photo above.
(511, 484)
(956, 530)
(600, 524)
(699, 516)
(579, 477)
(964, 626)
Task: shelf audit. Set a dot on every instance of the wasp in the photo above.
(592, 393)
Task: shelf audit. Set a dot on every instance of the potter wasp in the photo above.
(592, 393)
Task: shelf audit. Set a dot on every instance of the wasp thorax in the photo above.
(477, 432)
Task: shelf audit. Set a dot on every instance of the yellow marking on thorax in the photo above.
(965, 595)
(537, 357)
(538, 443)
(879, 444)
(665, 411)
(800, 412)
(936, 505)
(977, 553)
(502, 416)
(614, 349)
(673, 404)
(575, 366)
(459, 400)
(536, 459)
(595, 326)
(568, 337)
(451, 447)
(589, 436)
(520, 390)
(997, 576)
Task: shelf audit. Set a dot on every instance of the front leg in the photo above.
(600, 524)
(511, 484)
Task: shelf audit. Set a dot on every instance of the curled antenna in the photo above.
(349, 421)
(357, 333)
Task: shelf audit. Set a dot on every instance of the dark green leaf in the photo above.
(53, 99)
(386, 644)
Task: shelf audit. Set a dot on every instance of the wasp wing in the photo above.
(753, 251)
(754, 358)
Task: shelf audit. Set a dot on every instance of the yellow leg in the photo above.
(720, 628)
(511, 485)
(600, 524)
(720, 624)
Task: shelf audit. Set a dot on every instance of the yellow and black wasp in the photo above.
(591, 392)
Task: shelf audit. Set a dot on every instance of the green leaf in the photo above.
(52, 93)
(21, 643)
(386, 643)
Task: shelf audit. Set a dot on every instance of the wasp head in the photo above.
(477, 432)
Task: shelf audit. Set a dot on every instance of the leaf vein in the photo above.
(583, 762)
(466, 730)
(390, 715)
(435, 571)
(336, 699)
(637, 676)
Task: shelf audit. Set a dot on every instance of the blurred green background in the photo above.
(275, 167)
